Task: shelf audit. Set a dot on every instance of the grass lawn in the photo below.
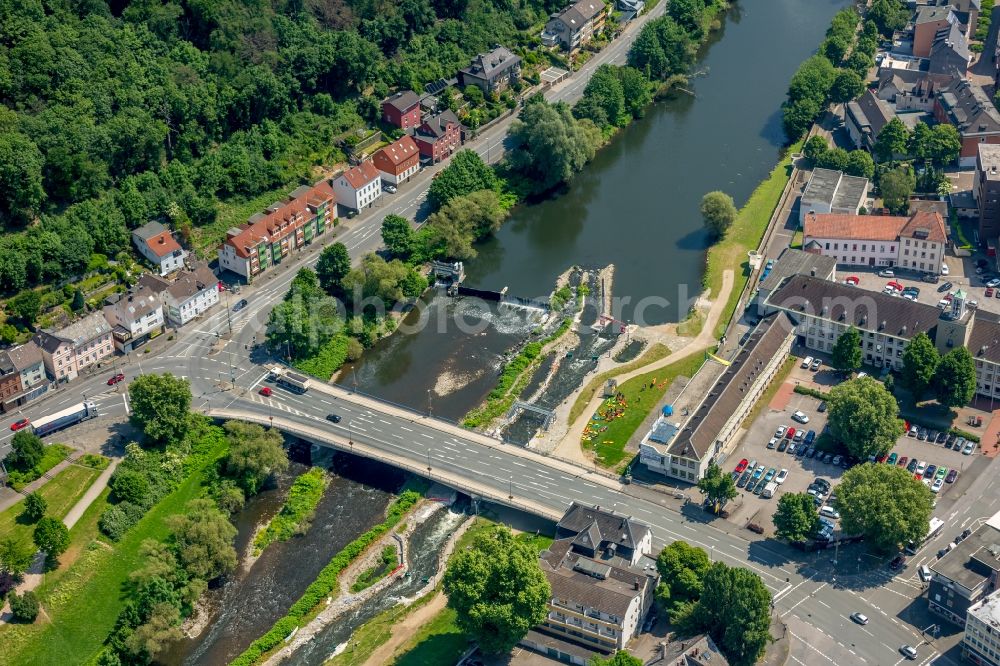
(61, 493)
(745, 235)
(369, 636)
(52, 455)
(651, 355)
(772, 389)
(85, 600)
(609, 445)
(440, 641)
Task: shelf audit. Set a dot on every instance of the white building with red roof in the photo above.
(271, 235)
(917, 242)
(359, 187)
(158, 246)
(398, 161)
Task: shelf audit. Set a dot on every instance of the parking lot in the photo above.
(803, 469)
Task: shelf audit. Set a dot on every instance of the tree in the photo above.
(815, 147)
(896, 187)
(620, 658)
(835, 48)
(34, 507)
(847, 351)
(718, 488)
(835, 158)
(156, 633)
(497, 589)
(944, 145)
(26, 306)
(25, 607)
(160, 405)
(21, 192)
(203, 537)
(682, 568)
(51, 536)
(130, 485)
(885, 504)
(452, 230)
(920, 361)
(26, 450)
(796, 518)
(955, 378)
(864, 417)
(735, 608)
(15, 558)
(893, 140)
(718, 212)
(465, 173)
(860, 163)
(383, 282)
(254, 455)
(637, 90)
(847, 85)
(604, 93)
(79, 302)
(663, 48)
(397, 234)
(550, 145)
(888, 16)
(332, 267)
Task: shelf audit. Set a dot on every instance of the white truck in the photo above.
(292, 381)
(64, 419)
(769, 490)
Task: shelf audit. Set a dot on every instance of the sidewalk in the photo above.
(10, 497)
(96, 488)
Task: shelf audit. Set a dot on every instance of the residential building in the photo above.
(965, 576)
(272, 235)
(917, 242)
(358, 187)
(602, 578)
(439, 136)
(794, 262)
(69, 351)
(135, 318)
(929, 20)
(10, 383)
(684, 450)
(866, 117)
(629, 10)
(27, 360)
(158, 246)
(831, 191)
(981, 642)
(950, 52)
(189, 296)
(491, 72)
(402, 110)
(398, 161)
(575, 25)
(909, 89)
(969, 108)
(986, 190)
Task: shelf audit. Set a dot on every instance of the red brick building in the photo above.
(439, 136)
(402, 110)
(398, 161)
(969, 108)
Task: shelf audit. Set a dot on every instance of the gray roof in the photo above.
(154, 283)
(971, 562)
(190, 283)
(600, 526)
(86, 329)
(950, 52)
(488, 65)
(404, 100)
(969, 108)
(607, 587)
(435, 127)
(697, 438)
(796, 262)
(871, 112)
(984, 338)
(148, 230)
(131, 307)
(577, 14)
(6, 365)
(850, 306)
(25, 356)
(835, 188)
(927, 14)
(989, 160)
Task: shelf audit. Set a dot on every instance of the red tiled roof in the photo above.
(274, 221)
(858, 227)
(361, 175)
(163, 244)
(399, 151)
(926, 225)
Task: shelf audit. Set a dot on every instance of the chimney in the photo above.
(635, 585)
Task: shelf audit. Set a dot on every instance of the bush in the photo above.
(119, 519)
(24, 607)
(805, 390)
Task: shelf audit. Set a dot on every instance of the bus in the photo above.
(64, 419)
(935, 527)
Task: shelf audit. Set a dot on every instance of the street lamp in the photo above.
(430, 406)
(428, 460)
(510, 488)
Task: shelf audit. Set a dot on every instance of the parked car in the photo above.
(790, 433)
(816, 365)
(912, 432)
(988, 292)
(902, 461)
(799, 435)
(929, 472)
(937, 485)
(960, 443)
(20, 425)
(802, 450)
(806, 362)
(948, 442)
(792, 448)
(771, 443)
(968, 449)
(780, 432)
(952, 475)
(800, 416)
(893, 457)
(770, 475)
(782, 445)
(945, 287)
(827, 458)
(930, 278)
(781, 476)
(759, 472)
(822, 407)
(995, 282)
(809, 438)
(391, 189)
(897, 562)
(836, 459)
(742, 465)
(886, 272)
(743, 480)
(944, 269)
(120, 377)
(941, 472)
(941, 438)
(919, 468)
(829, 512)
(852, 280)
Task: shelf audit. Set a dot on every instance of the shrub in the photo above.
(118, 519)
(24, 607)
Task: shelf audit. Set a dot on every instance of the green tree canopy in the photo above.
(35, 507)
(551, 146)
(718, 487)
(620, 658)
(466, 173)
(920, 361)
(735, 609)
(955, 378)
(893, 140)
(25, 606)
(848, 85)
(940, 145)
(834, 158)
(860, 163)
(306, 319)
(332, 267)
(387, 282)
(26, 450)
(21, 192)
(497, 589)
(397, 234)
(888, 16)
(864, 417)
(815, 147)
(160, 406)
(15, 557)
(662, 49)
(796, 518)
(452, 231)
(203, 538)
(254, 455)
(603, 99)
(847, 351)
(682, 568)
(637, 90)
(51, 536)
(718, 212)
(885, 504)
(896, 187)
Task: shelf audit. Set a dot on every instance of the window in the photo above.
(827, 246)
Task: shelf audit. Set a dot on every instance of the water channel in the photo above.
(635, 206)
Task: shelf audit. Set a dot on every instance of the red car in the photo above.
(18, 425)
(222, 285)
(265, 391)
(120, 377)
(743, 465)
(852, 280)
(790, 433)
(902, 461)
(989, 292)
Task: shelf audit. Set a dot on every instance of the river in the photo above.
(634, 206)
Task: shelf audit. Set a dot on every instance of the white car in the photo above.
(860, 618)
(806, 362)
(908, 651)
(995, 282)
(886, 272)
(944, 268)
(782, 475)
(938, 484)
(921, 466)
(970, 446)
(780, 432)
(391, 189)
(800, 417)
(829, 512)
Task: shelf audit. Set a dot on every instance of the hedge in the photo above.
(805, 390)
(326, 582)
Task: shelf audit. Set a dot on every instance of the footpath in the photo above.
(10, 497)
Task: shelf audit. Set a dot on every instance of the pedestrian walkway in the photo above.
(11, 497)
(96, 488)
